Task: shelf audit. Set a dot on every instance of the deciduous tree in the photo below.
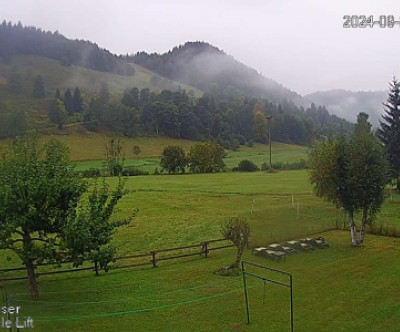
(88, 235)
(114, 156)
(260, 124)
(174, 159)
(206, 157)
(237, 230)
(38, 195)
(351, 173)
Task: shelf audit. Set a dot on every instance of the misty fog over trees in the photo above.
(231, 112)
(206, 67)
(230, 123)
(17, 39)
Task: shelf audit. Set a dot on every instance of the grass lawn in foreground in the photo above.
(340, 288)
(335, 289)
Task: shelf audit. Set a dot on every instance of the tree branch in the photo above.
(19, 232)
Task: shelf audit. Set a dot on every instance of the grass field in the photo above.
(340, 288)
(150, 157)
(87, 150)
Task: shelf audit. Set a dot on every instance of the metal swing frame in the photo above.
(264, 279)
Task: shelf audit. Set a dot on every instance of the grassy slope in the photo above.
(88, 150)
(336, 289)
(56, 75)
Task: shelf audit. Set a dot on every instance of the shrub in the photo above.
(235, 144)
(241, 139)
(384, 230)
(91, 173)
(247, 166)
(132, 171)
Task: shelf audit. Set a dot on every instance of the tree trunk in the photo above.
(96, 268)
(353, 231)
(363, 224)
(33, 288)
(238, 259)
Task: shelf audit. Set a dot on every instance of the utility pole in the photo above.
(269, 118)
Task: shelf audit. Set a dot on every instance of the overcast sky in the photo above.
(300, 44)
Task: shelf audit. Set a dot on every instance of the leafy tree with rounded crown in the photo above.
(39, 192)
(206, 157)
(174, 159)
(88, 235)
(351, 173)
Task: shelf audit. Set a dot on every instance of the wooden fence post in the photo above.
(204, 249)
(153, 258)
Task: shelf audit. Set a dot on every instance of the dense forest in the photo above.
(237, 121)
(207, 68)
(19, 39)
(231, 112)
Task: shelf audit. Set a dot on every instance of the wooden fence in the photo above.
(150, 258)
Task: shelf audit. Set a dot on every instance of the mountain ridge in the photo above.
(347, 104)
(206, 67)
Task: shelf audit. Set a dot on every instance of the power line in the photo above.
(120, 313)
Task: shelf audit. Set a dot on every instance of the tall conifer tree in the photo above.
(69, 105)
(389, 132)
(77, 101)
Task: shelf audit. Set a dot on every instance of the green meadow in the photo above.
(87, 150)
(340, 288)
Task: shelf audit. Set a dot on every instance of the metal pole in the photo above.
(270, 149)
(291, 304)
(269, 117)
(245, 293)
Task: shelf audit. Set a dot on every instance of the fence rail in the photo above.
(203, 249)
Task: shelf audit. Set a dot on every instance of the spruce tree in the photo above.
(38, 87)
(57, 113)
(68, 102)
(77, 101)
(389, 132)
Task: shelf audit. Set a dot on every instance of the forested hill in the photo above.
(206, 67)
(347, 104)
(42, 82)
(15, 39)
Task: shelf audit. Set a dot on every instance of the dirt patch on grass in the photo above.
(236, 326)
